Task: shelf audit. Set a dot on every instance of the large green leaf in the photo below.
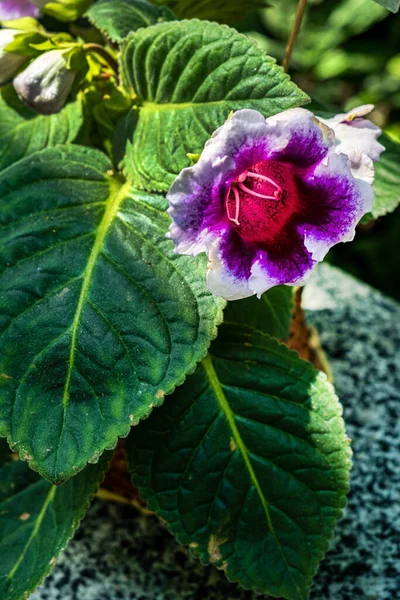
(117, 18)
(387, 179)
(36, 520)
(225, 11)
(23, 131)
(99, 319)
(392, 5)
(188, 76)
(248, 463)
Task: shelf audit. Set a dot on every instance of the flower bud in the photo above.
(9, 62)
(45, 84)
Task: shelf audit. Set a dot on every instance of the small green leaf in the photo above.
(188, 76)
(387, 179)
(99, 319)
(248, 463)
(23, 131)
(225, 11)
(392, 5)
(36, 520)
(117, 18)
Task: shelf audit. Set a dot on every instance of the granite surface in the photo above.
(119, 555)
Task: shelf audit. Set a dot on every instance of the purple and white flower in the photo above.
(17, 9)
(269, 197)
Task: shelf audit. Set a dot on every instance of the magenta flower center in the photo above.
(262, 200)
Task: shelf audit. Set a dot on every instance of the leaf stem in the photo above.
(293, 34)
(109, 496)
(98, 49)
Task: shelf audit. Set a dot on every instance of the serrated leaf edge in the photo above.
(74, 526)
(118, 194)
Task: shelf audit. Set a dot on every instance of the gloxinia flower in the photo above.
(17, 9)
(9, 62)
(357, 137)
(267, 199)
(46, 83)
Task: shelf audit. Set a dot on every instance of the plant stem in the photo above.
(294, 33)
(104, 54)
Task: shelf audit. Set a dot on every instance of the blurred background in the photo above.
(347, 53)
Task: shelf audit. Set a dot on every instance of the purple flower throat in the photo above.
(261, 200)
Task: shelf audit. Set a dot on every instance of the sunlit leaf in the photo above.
(99, 319)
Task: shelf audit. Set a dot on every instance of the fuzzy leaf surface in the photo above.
(37, 519)
(392, 5)
(117, 18)
(248, 463)
(99, 319)
(23, 131)
(188, 76)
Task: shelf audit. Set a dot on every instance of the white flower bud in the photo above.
(46, 82)
(9, 62)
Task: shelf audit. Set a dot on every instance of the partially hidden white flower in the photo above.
(9, 62)
(357, 138)
(46, 83)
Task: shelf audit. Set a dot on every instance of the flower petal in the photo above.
(336, 203)
(229, 267)
(288, 262)
(296, 136)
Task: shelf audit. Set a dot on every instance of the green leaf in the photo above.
(188, 76)
(99, 319)
(271, 314)
(36, 520)
(225, 11)
(387, 179)
(23, 131)
(248, 463)
(117, 18)
(392, 5)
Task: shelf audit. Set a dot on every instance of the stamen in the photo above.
(256, 194)
(242, 177)
(264, 178)
(237, 200)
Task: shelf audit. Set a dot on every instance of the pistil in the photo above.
(239, 183)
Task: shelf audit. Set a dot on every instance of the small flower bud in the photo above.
(9, 62)
(45, 84)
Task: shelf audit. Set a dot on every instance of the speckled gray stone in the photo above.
(118, 555)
